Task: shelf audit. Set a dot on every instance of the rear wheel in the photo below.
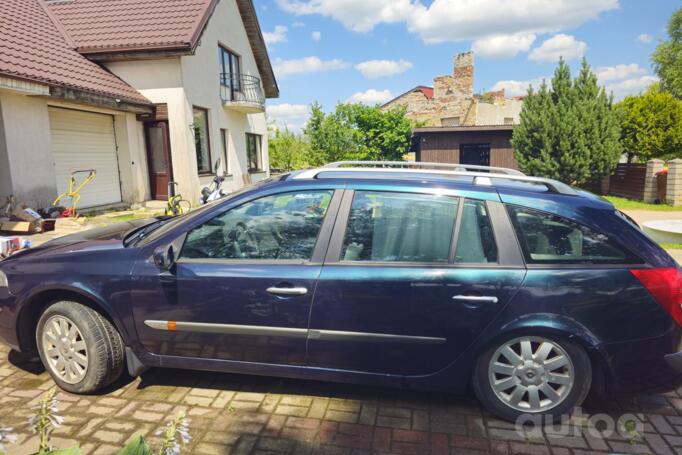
(81, 350)
(532, 375)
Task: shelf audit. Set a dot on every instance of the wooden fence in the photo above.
(628, 181)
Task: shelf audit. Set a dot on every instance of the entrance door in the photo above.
(158, 159)
(474, 154)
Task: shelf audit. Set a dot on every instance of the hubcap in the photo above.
(64, 349)
(531, 374)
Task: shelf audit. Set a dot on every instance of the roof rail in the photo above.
(423, 164)
(479, 178)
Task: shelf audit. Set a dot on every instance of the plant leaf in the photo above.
(136, 446)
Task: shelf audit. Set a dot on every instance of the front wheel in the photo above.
(532, 375)
(82, 351)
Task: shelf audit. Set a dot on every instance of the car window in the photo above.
(282, 226)
(548, 238)
(476, 242)
(399, 227)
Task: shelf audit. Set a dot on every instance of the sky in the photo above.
(369, 51)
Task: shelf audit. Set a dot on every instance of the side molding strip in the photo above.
(324, 335)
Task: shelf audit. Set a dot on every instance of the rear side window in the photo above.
(476, 242)
(550, 239)
(399, 227)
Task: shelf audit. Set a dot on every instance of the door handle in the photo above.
(476, 298)
(286, 291)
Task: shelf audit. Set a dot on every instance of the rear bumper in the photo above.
(674, 361)
(653, 364)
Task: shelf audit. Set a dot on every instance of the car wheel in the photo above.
(81, 350)
(532, 375)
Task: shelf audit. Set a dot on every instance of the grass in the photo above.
(672, 246)
(629, 204)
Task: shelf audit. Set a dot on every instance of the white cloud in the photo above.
(517, 88)
(279, 35)
(285, 115)
(373, 69)
(560, 45)
(618, 72)
(503, 46)
(645, 38)
(371, 97)
(624, 79)
(456, 20)
(631, 86)
(311, 64)
(298, 24)
(316, 36)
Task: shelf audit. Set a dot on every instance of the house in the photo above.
(487, 145)
(144, 92)
(457, 125)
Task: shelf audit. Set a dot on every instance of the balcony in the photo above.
(242, 93)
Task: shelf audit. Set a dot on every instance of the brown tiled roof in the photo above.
(132, 25)
(32, 47)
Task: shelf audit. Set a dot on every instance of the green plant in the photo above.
(357, 132)
(651, 125)
(569, 132)
(667, 58)
(175, 433)
(45, 420)
(288, 151)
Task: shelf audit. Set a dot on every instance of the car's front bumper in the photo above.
(8, 329)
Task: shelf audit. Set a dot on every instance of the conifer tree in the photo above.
(569, 132)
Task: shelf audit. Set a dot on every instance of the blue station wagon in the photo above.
(457, 278)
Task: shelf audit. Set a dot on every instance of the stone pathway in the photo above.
(248, 414)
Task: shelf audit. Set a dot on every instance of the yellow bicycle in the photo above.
(176, 204)
(74, 193)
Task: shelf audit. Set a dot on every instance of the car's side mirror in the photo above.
(165, 256)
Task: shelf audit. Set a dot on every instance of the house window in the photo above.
(230, 72)
(201, 141)
(449, 121)
(253, 151)
(226, 159)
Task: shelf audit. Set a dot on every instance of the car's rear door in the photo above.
(243, 284)
(411, 277)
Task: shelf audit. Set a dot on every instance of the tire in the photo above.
(529, 379)
(89, 357)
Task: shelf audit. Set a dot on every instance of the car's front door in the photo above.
(397, 294)
(243, 284)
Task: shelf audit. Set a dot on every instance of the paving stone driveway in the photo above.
(245, 414)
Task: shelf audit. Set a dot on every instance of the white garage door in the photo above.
(85, 140)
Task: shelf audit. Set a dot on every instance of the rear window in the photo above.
(550, 239)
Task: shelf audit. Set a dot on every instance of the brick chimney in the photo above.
(464, 73)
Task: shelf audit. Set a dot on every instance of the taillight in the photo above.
(665, 285)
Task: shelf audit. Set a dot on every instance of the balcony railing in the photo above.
(242, 90)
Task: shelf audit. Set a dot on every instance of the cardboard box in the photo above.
(23, 227)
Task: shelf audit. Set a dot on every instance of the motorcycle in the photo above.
(213, 192)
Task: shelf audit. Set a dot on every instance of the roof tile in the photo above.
(34, 48)
(111, 25)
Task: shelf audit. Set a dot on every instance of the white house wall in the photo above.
(26, 163)
(27, 140)
(201, 77)
(184, 82)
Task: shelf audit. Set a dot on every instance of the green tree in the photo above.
(288, 151)
(651, 125)
(357, 132)
(569, 132)
(667, 57)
